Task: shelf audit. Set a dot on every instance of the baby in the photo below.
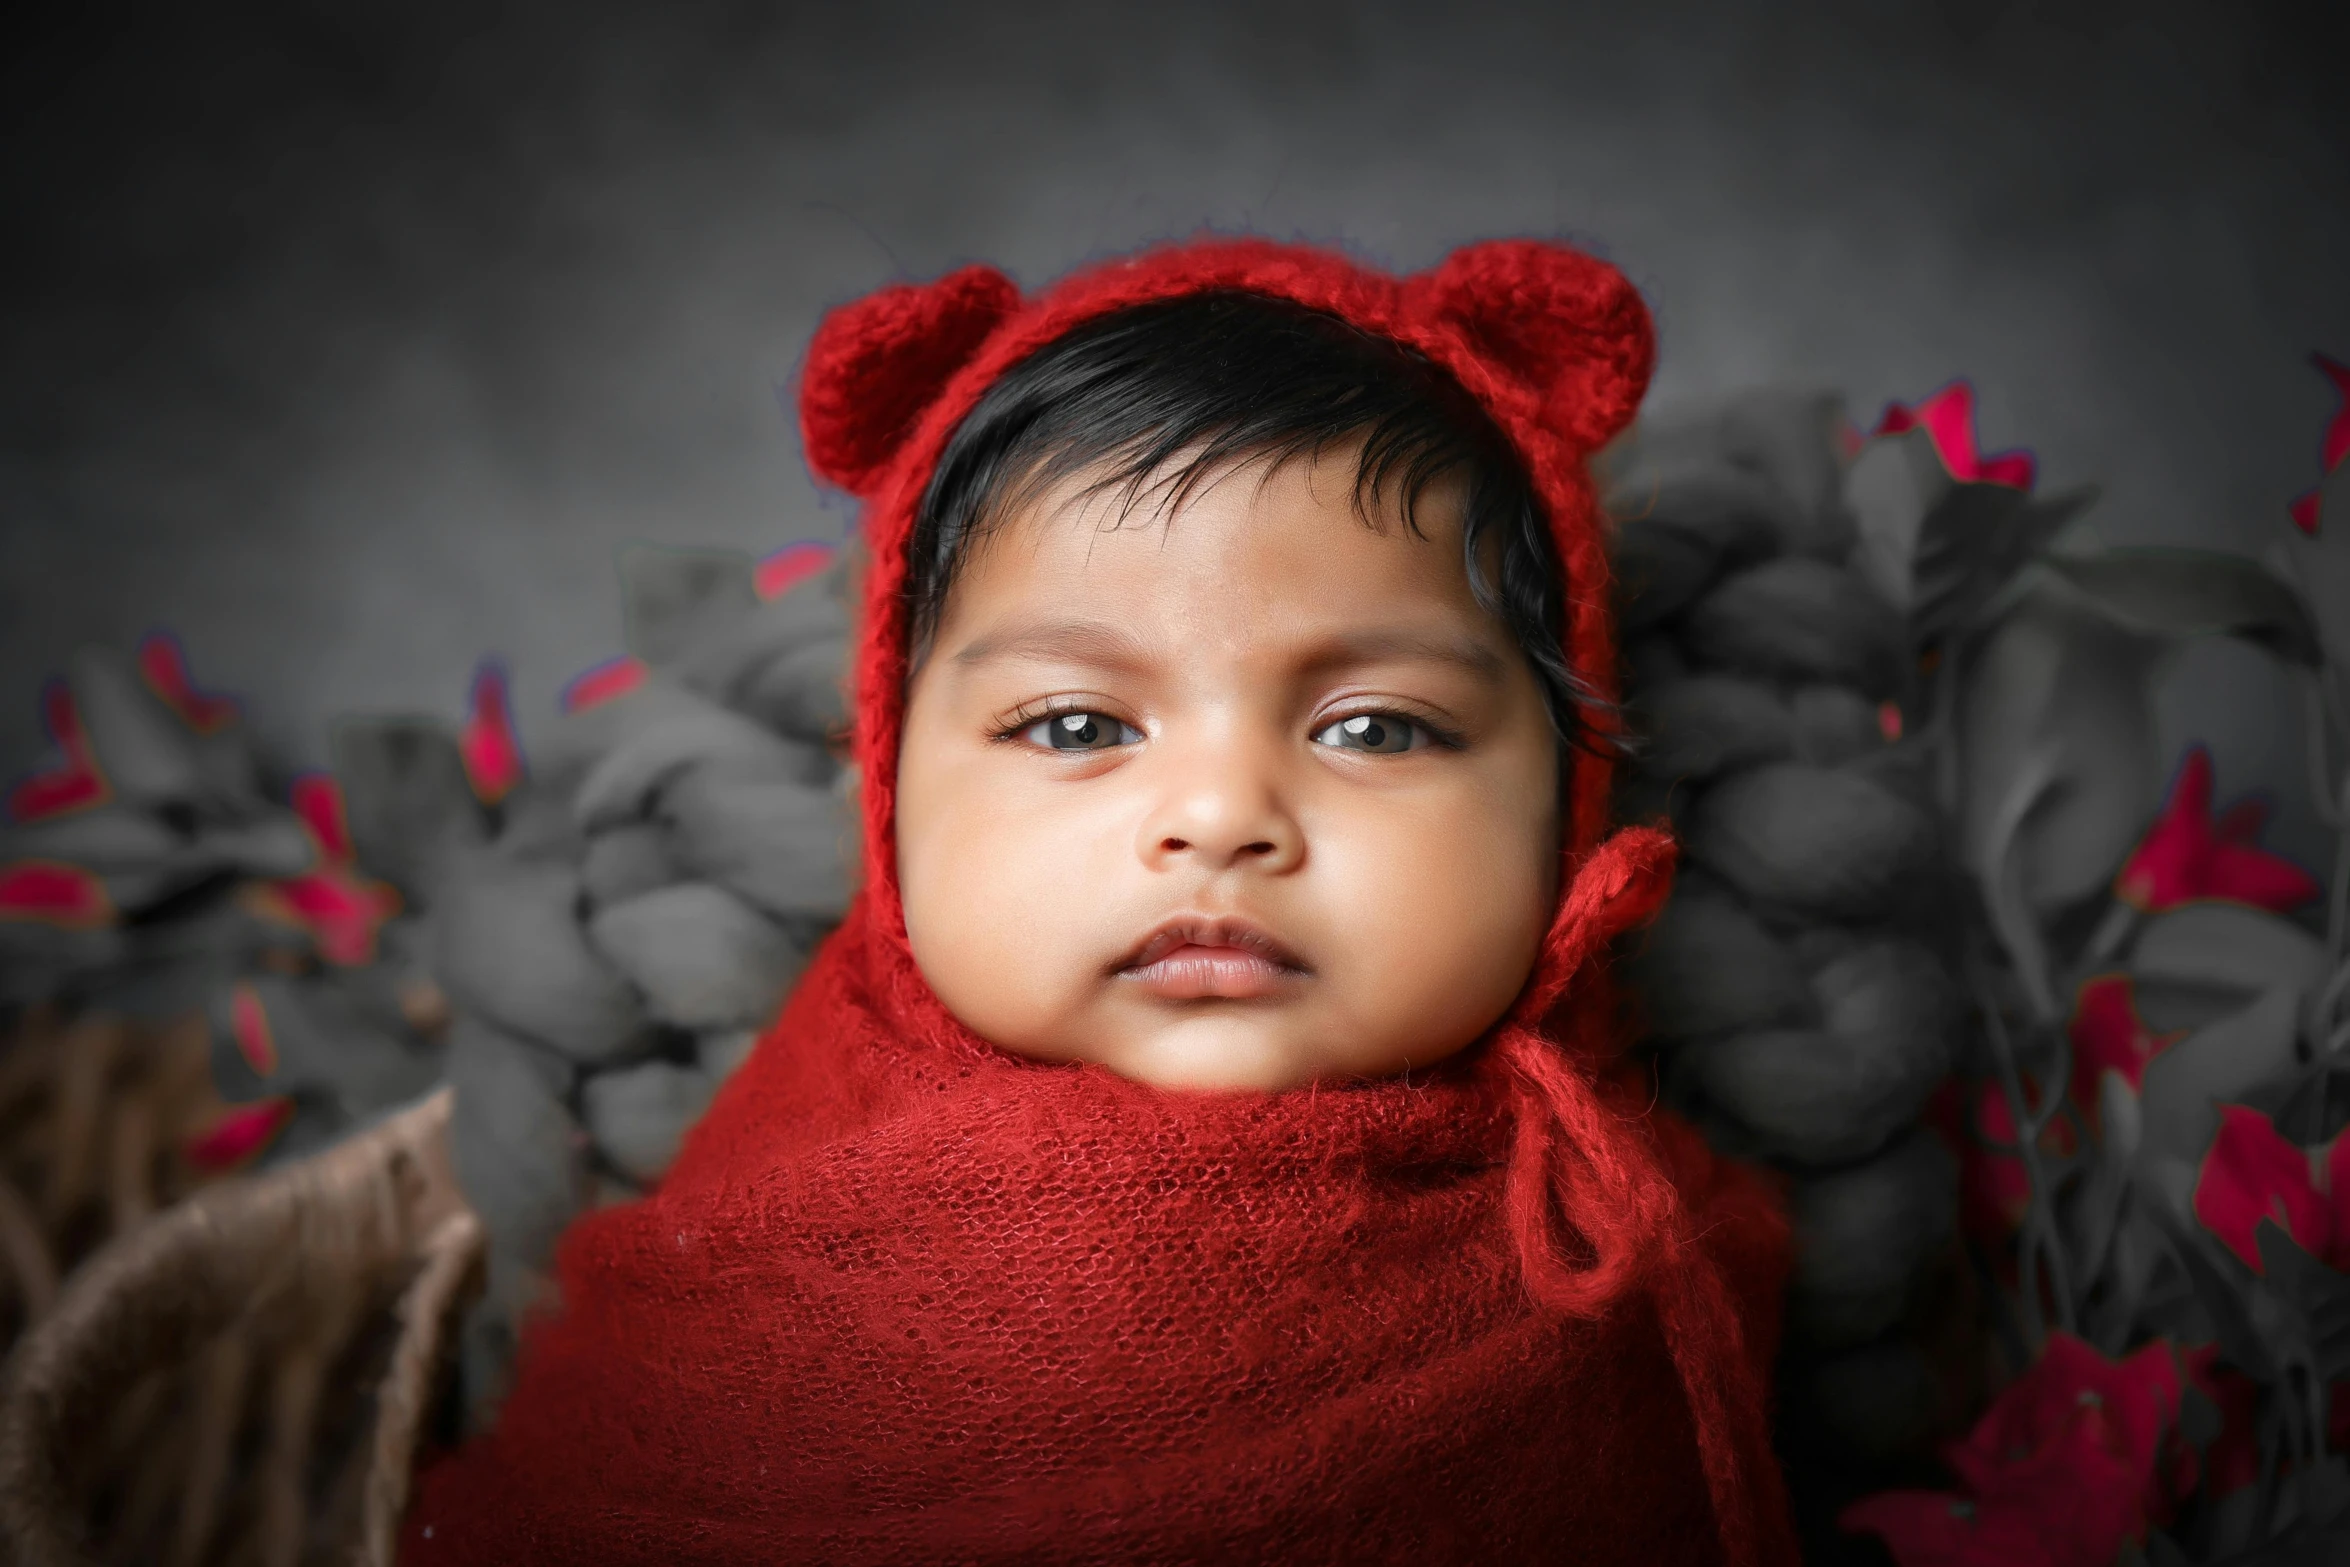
(1229, 762)
(1203, 1140)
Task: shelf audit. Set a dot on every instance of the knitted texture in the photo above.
(906, 1298)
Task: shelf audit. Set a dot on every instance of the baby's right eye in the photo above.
(1080, 732)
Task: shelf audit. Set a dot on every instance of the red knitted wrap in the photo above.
(904, 1298)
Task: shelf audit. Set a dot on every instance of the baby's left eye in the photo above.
(1382, 732)
(1085, 731)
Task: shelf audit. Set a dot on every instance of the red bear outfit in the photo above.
(906, 1298)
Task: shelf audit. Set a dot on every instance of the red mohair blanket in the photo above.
(906, 1299)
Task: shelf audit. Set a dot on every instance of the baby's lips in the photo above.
(1210, 932)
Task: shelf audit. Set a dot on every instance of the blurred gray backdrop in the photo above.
(351, 341)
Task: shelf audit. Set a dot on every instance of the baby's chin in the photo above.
(1234, 1047)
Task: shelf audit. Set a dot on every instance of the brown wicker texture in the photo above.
(243, 1378)
(93, 1114)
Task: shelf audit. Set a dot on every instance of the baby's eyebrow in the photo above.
(1072, 641)
(1375, 645)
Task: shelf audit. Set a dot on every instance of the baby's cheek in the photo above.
(1000, 910)
(1446, 912)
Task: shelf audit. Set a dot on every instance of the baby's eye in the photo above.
(1080, 732)
(1383, 732)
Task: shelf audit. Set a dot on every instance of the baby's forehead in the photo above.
(1286, 554)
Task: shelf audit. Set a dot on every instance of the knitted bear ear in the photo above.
(1569, 327)
(875, 366)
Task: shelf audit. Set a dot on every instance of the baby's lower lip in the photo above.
(1194, 973)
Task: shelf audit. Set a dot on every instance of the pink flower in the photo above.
(2332, 448)
(2186, 855)
(492, 754)
(2078, 1456)
(1993, 1189)
(50, 892)
(238, 1135)
(599, 683)
(1948, 418)
(164, 664)
(778, 573)
(340, 908)
(75, 782)
(2251, 1173)
(2109, 1036)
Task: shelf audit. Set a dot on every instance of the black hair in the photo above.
(1166, 396)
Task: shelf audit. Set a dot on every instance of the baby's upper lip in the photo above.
(1201, 930)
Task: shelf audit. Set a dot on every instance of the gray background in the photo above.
(350, 343)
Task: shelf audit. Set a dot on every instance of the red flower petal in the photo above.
(239, 1135)
(2242, 874)
(2334, 1176)
(492, 754)
(1937, 1529)
(1948, 418)
(75, 783)
(2303, 511)
(2185, 856)
(2109, 1036)
(50, 892)
(2336, 444)
(2252, 1174)
(318, 800)
(615, 677)
(2242, 822)
(2067, 1465)
(2232, 1461)
(341, 910)
(248, 1022)
(779, 573)
(165, 664)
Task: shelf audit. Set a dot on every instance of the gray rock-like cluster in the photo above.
(653, 892)
(1796, 984)
(212, 896)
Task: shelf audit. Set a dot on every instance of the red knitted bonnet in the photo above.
(1554, 346)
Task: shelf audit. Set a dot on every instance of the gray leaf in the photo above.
(722, 1054)
(146, 753)
(1699, 726)
(520, 1157)
(639, 1115)
(1834, 725)
(727, 660)
(509, 946)
(623, 784)
(2185, 593)
(783, 847)
(1707, 966)
(1677, 533)
(2060, 770)
(1828, 1096)
(672, 599)
(626, 862)
(328, 1042)
(1801, 619)
(2228, 947)
(1827, 843)
(2185, 1085)
(1882, 1400)
(1890, 487)
(2320, 568)
(406, 798)
(803, 693)
(1975, 540)
(1862, 1237)
(703, 958)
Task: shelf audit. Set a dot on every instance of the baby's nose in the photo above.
(1232, 822)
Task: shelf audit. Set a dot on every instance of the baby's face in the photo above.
(1242, 800)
